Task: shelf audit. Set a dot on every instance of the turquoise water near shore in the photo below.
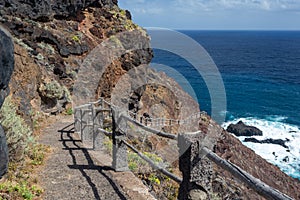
(261, 74)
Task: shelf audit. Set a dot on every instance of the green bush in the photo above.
(20, 190)
(18, 134)
(69, 111)
(54, 90)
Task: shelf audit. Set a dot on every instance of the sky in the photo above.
(215, 14)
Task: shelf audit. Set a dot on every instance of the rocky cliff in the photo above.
(52, 38)
(54, 43)
(6, 69)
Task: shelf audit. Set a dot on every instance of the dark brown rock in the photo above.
(45, 11)
(267, 141)
(241, 129)
(6, 69)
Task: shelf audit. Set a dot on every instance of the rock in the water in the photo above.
(6, 69)
(268, 141)
(241, 129)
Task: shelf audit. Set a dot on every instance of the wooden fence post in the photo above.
(120, 162)
(196, 171)
(98, 140)
(77, 122)
(87, 121)
(81, 125)
(85, 126)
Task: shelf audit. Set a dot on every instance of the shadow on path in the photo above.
(71, 145)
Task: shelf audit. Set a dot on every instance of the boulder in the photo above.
(6, 63)
(241, 129)
(3, 153)
(6, 69)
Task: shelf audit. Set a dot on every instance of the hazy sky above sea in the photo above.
(216, 14)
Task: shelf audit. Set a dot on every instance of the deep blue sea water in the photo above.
(261, 74)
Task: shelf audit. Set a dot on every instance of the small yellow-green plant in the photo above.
(20, 182)
(20, 190)
(75, 38)
(36, 154)
(69, 111)
(154, 157)
(134, 161)
(154, 179)
(123, 12)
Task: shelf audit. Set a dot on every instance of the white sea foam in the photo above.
(288, 160)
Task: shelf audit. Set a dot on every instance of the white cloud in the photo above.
(210, 5)
(144, 6)
(265, 5)
(216, 14)
(148, 10)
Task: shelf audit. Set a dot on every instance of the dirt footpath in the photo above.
(74, 172)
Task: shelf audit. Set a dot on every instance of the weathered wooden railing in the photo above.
(195, 157)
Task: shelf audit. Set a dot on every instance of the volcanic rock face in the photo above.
(6, 68)
(241, 129)
(45, 11)
(52, 38)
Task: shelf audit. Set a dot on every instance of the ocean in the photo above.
(261, 75)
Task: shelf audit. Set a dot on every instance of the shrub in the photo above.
(24, 152)
(19, 190)
(69, 111)
(18, 134)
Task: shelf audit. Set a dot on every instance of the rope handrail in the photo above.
(149, 120)
(159, 133)
(107, 133)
